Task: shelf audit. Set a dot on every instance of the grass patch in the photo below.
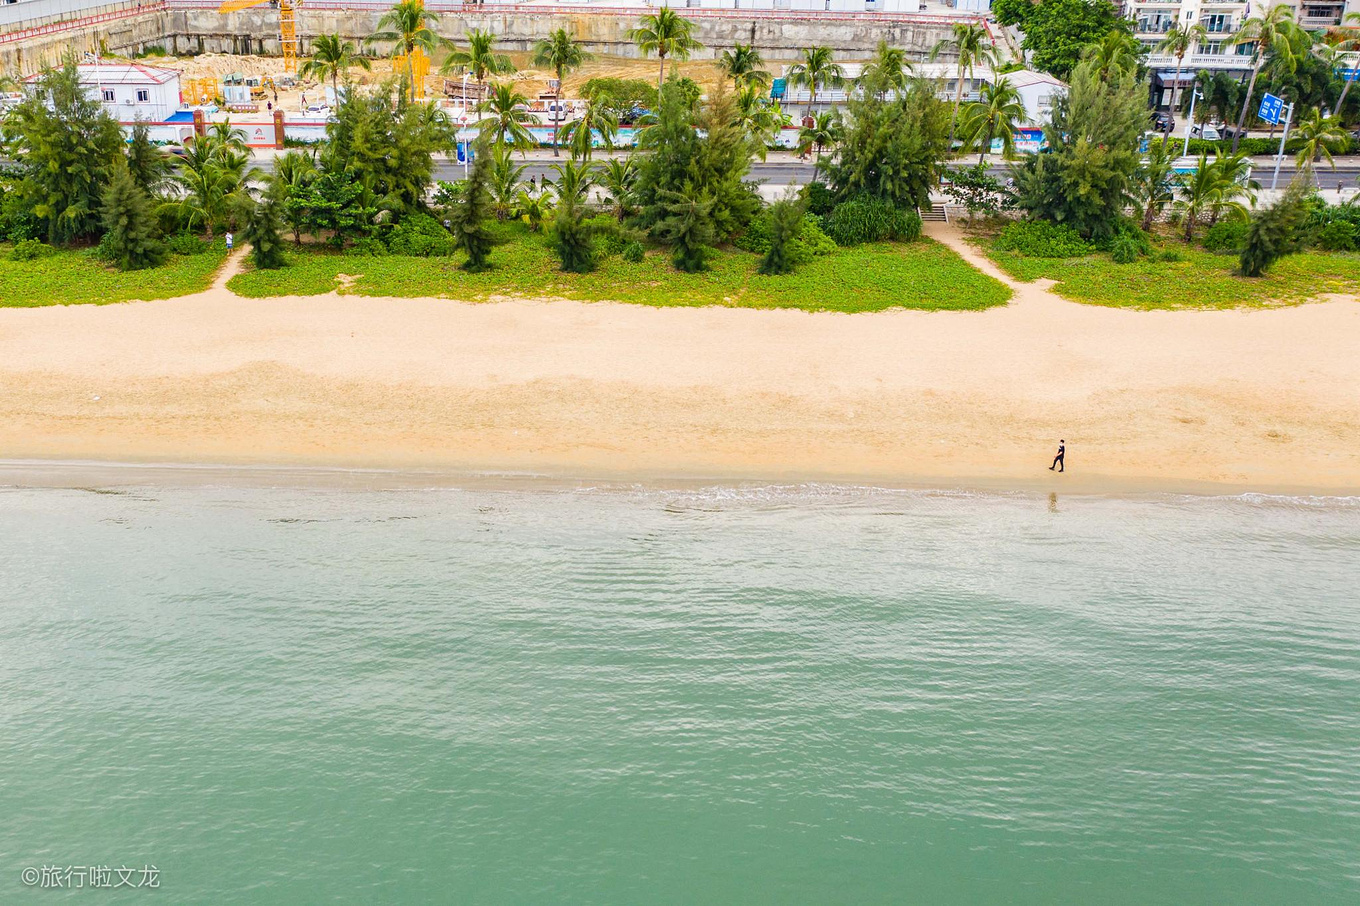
(1198, 280)
(75, 277)
(920, 275)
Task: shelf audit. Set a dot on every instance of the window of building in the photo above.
(143, 95)
(1218, 23)
(108, 95)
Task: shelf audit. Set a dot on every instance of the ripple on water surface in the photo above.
(791, 694)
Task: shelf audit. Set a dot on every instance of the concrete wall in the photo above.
(126, 36)
(256, 31)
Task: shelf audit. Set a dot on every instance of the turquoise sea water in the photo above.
(721, 695)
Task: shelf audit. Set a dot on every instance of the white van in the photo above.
(1208, 132)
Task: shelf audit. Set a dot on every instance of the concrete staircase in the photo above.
(935, 213)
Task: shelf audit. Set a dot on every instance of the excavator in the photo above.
(287, 25)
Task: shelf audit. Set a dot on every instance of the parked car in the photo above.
(1164, 122)
(1207, 131)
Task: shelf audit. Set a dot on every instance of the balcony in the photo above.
(1193, 61)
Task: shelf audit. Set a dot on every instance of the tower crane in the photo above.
(287, 25)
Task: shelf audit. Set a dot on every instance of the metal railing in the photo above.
(490, 9)
(48, 28)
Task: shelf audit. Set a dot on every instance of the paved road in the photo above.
(786, 172)
(794, 173)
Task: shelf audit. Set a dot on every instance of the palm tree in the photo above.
(1349, 43)
(505, 179)
(534, 209)
(226, 137)
(757, 117)
(1117, 52)
(1274, 30)
(742, 65)
(479, 60)
(666, 34)
(509, 111)
(214, 176)
(972, 45)
(824, 132)
(597, 119)
(618, 176)
(888, 69)
(408, 25)
(332, 55)
(574, 180)
(562, 53)
(816, 69)
(998, 113)
(1177, 43)
(1214, 187)
(1155, 181)
(1318, 135)
(294, 170)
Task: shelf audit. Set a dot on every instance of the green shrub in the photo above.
(809, 242)
(420, 236)
(1226, 237)
(606, 235)
(815, 240)
(105, 250)
(16, 219)
(1125, 248)
(871, 220)
(188, 244)
(1337, 236)
(819, 198)
(28, 249)
(1169, 255)
(369, 245)
(1041, 239)
(633, 252)
(1254, 147)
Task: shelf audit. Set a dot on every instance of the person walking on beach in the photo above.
(229, 237)
(1058, 460)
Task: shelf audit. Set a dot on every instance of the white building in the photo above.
(1152, 19)
(131, 91)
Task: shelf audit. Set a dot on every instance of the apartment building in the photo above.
(1152, 19)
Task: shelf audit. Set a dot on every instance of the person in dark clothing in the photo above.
(1058, 460)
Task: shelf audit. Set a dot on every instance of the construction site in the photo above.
(243, 59)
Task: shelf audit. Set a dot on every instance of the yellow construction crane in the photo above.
(287, 25)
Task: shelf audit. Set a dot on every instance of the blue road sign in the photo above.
(1349, 75)
(1271, 108)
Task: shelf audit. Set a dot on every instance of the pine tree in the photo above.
(147, 163)
(129, 224)
(786, 218)
(687, 226)
(695, 167)
(1274, 232)
(65, 145)
(469, 215)
(264, 228)
(572, 238)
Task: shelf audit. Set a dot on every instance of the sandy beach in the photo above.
(1182, 401)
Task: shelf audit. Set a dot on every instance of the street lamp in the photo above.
(1195, 94)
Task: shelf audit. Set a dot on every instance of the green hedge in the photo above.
(1255, 147)
(1042, 239)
